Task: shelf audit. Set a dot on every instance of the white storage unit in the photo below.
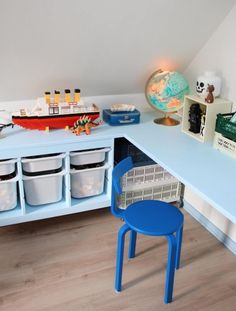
(43, 189)
(8, 194)
(88, 182)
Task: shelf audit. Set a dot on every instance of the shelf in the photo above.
(45, 208)
(209, 110)
(25, 212)
(10, 215)
(96, 202)
(196, 136)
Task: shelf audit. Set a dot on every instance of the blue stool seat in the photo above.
(153, 218)
(148, 217)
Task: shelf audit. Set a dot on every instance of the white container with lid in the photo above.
(87, 182)
(42, 163)
(88, 156)
(43, 189)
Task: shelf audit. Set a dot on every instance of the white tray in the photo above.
(46, 163)
(88, 157)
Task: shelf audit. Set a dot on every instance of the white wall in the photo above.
(219, 53)
(103, 47)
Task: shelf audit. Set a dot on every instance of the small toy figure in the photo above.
(195, 118)
(84, 124)
(210, 97)
(203, 122)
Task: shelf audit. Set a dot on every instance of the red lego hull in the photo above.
(52, 121)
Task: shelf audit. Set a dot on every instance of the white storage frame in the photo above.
(68, 205)
(211, 110)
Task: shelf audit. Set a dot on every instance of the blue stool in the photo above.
(148, 217)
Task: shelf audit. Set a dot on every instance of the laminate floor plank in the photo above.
(68, 264)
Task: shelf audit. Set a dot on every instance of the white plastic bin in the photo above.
(87, 182)
(42, 163)
(146, 174)
(7, 167)
(88, 156)
(43, 189)
(8, 194)
(167, 193)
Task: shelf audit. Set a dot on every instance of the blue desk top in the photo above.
(199, 166)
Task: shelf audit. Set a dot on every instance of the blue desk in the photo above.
(206, 171)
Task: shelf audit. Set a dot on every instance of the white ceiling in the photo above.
(103, 47)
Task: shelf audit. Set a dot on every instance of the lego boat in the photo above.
(45, 116)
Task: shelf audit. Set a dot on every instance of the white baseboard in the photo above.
(221, 236)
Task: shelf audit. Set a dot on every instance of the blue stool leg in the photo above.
(132, 244)
(170, 273)
(179, 235)
(120, 255)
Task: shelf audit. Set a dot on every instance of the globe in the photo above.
(165, 91)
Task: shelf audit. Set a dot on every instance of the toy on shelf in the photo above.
(195, 113)
(55, 112)
(84, 124)
(210, 97)
(121, 114)
(208, 78)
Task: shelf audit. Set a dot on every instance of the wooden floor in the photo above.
(68, 263)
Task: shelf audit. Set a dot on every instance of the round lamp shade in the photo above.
(165, 91)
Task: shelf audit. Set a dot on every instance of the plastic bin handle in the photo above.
(126, 121)
(24, 177)
(59, 156)
(14, 179)
(8, 161)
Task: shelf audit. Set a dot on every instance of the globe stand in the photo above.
(167, 121)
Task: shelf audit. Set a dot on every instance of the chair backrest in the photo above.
(118, 171)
